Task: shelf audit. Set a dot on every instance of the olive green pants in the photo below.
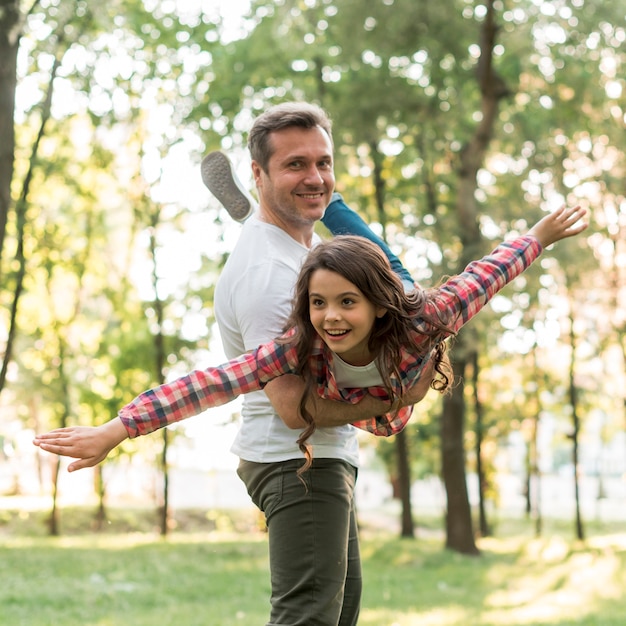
(315, 562)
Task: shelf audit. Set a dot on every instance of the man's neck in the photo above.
(302, 233)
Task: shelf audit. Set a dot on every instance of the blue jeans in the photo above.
(340, 219)
(315, 562)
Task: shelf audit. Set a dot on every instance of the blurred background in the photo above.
(456, 124)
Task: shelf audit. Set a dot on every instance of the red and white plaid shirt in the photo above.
(461, 298)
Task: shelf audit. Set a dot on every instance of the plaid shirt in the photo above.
(461, 298)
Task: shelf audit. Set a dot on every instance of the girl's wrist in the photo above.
(114, 431)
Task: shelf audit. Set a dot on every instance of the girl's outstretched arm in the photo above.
(463, 296)
(89, 444)
(171, 402)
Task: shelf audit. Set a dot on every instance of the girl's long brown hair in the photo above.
(363, 263)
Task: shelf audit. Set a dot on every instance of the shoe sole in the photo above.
(220, 180)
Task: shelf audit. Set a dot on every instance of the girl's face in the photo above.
(342, 316)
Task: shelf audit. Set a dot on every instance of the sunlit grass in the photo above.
(516, 580)
(134, 579)
(558, 581)
(220, 578)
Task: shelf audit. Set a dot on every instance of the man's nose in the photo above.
(314, 176)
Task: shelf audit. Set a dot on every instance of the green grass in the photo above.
(207, 574)
(514, 581)
(136, 580)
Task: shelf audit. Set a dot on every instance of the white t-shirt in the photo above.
(253, 299)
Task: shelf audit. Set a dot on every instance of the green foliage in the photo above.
(399, 80)
(423, 446)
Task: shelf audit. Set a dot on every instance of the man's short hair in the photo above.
(285, 115)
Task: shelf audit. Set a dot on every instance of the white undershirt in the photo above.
(353, 376)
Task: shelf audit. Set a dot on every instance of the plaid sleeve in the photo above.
(203, 389)
(463, 296)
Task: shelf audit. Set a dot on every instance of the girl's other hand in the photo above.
(562, 223)
(89, 444)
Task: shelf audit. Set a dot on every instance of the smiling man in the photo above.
(313, 542)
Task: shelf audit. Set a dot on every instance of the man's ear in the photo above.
(256, 173)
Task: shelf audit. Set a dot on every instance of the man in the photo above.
(313, 542)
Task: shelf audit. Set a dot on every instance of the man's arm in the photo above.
(285, 392)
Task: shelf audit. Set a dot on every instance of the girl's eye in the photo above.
(317, 303)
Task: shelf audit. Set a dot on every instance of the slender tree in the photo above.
(159, 357)
(11, 24)
(533, 490)
(575, 432)
(479, 428)
(459, 535)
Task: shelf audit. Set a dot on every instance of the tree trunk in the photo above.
(483, 524)
(99, 486)
(21, 221)
(53, 519)
(618, 236)
(459, 521)
(580, 533)
(402, 456)
(459, 533)
(404, 485)
(164, 512)
(55, 527)
(534, 486)
(379, 185)
(159, 356)
(10, 33)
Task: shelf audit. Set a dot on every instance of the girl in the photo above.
(353, 331)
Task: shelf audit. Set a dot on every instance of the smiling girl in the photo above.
(353, 331)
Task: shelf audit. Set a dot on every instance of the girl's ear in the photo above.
(381, 312)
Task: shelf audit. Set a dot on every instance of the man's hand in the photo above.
(285, 392)
(89, 444)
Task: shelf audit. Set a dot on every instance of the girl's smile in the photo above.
(342, 316)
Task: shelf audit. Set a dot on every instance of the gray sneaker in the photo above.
(219, 177)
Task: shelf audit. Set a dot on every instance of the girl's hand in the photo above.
(90, 444)
(562, 223)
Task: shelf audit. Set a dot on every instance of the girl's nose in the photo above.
(332, 314)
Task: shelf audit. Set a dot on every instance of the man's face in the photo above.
(300, 181)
